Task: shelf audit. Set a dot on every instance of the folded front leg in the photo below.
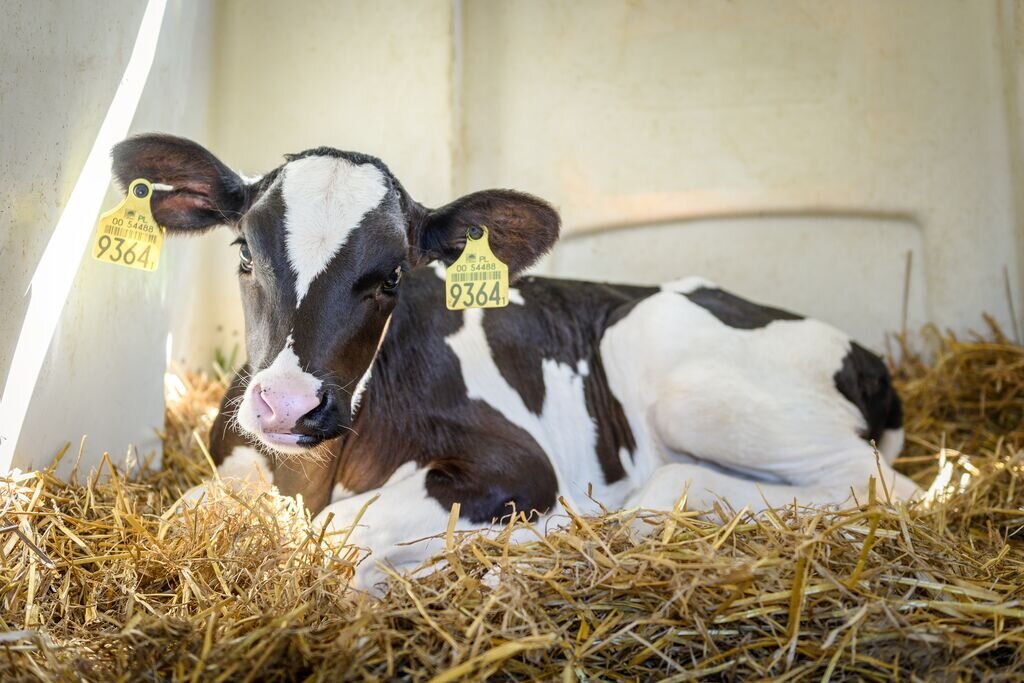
(704, 486)
(400, 523)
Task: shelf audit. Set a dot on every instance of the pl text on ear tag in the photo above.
(127, 235)
(477, 279)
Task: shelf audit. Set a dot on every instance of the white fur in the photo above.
(891, 443)
(246, 464)
(399, 527)
(760, 402)
(339, 492)
(439, 269)
(357, 393)
(325, 198)
(284, 371)
(244, 468)
(515, 297)
(687, 284)
(751, 416)
(250, 179)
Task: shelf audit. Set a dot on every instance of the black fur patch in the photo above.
(864, 381)
(737, 312)
(613, 430)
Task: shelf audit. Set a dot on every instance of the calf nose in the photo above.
(278, 409)
(323, 422)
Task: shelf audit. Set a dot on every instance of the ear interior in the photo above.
(203, 192)
(522, 227)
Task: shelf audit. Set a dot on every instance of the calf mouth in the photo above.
(286, 439)
(285, 445)
(305, 437)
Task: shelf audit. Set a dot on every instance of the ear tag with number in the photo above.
(477, 279)
(127, 235)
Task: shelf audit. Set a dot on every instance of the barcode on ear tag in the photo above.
(477, 279)
(127, 235)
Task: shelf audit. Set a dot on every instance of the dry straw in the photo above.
(101, 580)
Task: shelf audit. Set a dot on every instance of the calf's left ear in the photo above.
(521, 228)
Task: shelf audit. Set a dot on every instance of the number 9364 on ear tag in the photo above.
(127, 235)
(477, 279)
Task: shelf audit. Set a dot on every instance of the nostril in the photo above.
(264, 410)
(322, 420)
(322, 408)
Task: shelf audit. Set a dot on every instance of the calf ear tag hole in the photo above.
(127, 235)
(478, 278)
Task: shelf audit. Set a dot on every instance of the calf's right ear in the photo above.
(522, 228)
(193, 190)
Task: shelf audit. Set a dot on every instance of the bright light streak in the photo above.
(174, 388)
(56, 270)
(942, 487)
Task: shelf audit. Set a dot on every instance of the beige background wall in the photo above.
(794, 151)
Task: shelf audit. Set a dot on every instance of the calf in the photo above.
(360, 383)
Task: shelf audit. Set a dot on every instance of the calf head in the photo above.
(323, 241)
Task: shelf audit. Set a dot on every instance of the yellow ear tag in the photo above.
(127, 235)
(477, 279)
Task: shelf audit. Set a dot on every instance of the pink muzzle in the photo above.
(280, 407)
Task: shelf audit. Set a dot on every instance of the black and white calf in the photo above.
(361, 383)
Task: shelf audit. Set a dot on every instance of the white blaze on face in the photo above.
(325, 198)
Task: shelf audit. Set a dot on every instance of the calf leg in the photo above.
(239, 464)
(247, 468)
(399, 523)
(703, 486)
(774, 430)
(499, 473)
(244, 468)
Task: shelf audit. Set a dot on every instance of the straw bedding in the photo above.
(101, 580)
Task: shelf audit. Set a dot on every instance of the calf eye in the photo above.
(391, 284)
(244, 258)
